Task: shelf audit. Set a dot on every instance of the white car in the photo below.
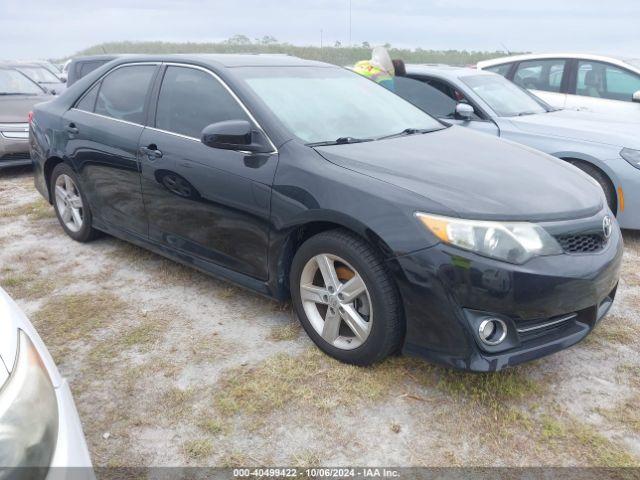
(594, 83)
(39, 424)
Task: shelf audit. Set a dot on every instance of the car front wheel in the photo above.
(346, 299)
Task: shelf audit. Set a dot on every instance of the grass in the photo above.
(626, 414)
(283, 333)
(496, 392)
(212, 425)
(26, 284)
(63, 319)
(177, 402)
(311, 379)
(615, 329)
(198, 449)
(37, 210)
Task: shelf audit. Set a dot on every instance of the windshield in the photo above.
(13, 82)
(325, 104)
(39, 74)
(504, 97)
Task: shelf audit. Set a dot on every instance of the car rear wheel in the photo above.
(345, 298)
(603, 180)
(70, 204)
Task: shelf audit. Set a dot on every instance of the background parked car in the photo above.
(41, 75)
(594, 83)
(81, 66)
(52, 68)
(18, 95)
(39, 423)
(608, 151)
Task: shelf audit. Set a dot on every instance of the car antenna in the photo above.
(505, 48)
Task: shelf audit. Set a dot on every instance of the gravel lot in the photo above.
(171, 367)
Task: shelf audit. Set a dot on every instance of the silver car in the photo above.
(39, 425)
(577, 81)
(606, 149)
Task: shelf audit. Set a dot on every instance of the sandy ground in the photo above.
(171, 367)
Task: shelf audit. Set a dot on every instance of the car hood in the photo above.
(475, 175)
(583, 126)
(16, 108)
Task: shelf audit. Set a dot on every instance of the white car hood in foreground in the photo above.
(12, 319)
(582, 126)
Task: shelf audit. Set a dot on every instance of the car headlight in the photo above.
(28, 412)
(631, 156)
(514, 242)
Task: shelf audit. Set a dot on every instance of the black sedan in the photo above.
(389, 230)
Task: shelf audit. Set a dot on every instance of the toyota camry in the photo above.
(389, 230)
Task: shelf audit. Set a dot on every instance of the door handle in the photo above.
(71, 128)
(151, 151)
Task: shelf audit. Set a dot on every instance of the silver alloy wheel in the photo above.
(69, 203)
(339, 309)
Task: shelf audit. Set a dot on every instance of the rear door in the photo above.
(603, 88)
(103, 130)
(208, 203)
(545, 78)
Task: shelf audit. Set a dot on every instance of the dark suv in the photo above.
(388, 229)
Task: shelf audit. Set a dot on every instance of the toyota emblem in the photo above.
(607, 225)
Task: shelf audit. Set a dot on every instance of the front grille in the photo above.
(582, 243)
(16, 156)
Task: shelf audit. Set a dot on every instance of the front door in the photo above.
(439, 99)
(103, 131)
(208, 203)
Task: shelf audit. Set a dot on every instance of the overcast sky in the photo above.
(58, 28)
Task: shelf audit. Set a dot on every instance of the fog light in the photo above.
(492, 331)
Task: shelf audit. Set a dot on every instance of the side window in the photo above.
(500, 69)
(602, 80)
(123, 93)
(540, 75)
(88, 67)
(88, 102)
(425, 97)
(191, 99)
(455, 95)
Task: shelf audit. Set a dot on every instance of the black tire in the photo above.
(603, 180)
(86, 232)
(387, 329)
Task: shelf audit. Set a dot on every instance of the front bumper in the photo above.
(445, 290)
(14, 145)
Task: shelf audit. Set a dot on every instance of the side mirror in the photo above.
(636, 96)
(464, 111)
(231, 135)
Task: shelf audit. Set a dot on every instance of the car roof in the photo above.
(443, 71)
(615, 59)
(224, 60)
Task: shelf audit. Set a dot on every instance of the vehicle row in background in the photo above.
(595, 83)
(18, 95)
(608, 151)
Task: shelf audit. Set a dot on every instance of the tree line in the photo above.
(337, 54)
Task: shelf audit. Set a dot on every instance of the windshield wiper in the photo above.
(522, 114)
(409, 131)
(340, 141)
(11, 93)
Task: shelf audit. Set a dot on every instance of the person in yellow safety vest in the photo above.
(379, 68)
